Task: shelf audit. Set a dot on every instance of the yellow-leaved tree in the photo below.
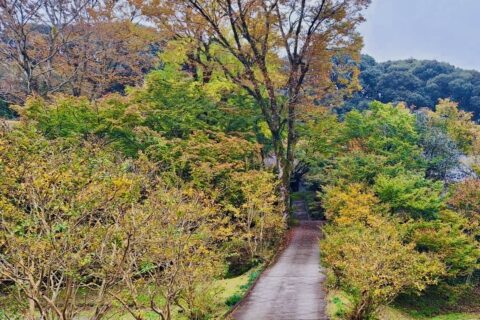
(374, 265)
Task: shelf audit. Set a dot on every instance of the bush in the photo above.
(374, 265)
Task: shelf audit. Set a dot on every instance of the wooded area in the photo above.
(153, 149)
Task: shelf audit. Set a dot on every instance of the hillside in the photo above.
(419, 83)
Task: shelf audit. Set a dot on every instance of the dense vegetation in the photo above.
(397, 225)
(418, 83)
(148, 165)
(137, 201)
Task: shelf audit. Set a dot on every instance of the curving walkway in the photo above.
(292, 288)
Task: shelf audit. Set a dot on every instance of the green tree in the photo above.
(247, 43)
(410, 195)
(374, 265)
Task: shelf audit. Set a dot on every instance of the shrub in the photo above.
(374, 265)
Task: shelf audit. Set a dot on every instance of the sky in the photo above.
(444, 30)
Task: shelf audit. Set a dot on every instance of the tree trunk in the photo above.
(282, 170)
(31, 309)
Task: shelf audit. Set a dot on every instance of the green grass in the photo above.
(232, 290)
(390, 313)
(234, 299)
(229, 286)
(338, 304)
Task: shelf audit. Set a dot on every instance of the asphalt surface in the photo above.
(292, 288)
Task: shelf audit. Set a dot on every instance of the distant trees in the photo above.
(86, 48)
(419, 83)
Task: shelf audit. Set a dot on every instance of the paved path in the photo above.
(292, 288)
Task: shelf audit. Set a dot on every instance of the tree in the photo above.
(465, 199)
(257, 215)
(178, 258)
(85, 47)
(245, 40)
(439, 150)
(33, 33)
(417, 83)
(410, 194)
(374, 265)
(457, 123)
(65, 228)
(85, 230)
(382, 207)
(352, 204)
(449, 240)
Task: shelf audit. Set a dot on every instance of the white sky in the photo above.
(445, 30)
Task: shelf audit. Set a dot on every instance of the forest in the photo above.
(418, 83)
(151, 153)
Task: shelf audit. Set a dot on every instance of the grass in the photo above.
(233, 290)
(338, 304)
(390, 313)
(231, 285)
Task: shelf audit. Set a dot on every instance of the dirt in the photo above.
(292, 288)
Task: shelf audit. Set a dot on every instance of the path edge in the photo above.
(283, 245)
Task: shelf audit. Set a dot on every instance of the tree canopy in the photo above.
(418, 83)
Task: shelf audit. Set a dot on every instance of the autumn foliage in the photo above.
(112, 207)
(393, 228)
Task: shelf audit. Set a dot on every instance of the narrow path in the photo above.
(292, 288)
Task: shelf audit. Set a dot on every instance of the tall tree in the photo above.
(280, 51)
(32, 33)
(83, 47)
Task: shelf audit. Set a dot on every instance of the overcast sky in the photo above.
(445, 30)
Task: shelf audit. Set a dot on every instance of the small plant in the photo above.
(234, 299)
(237, 296)
(339, 307)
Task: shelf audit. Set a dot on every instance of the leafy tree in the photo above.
(380, 140)
(169, 106)
(374, 265)
(457, 123)
(352, 204)
(465, 199)
(148, 202)
(446, 238)
(439, 150)
(256, 216)
(321, 140)
(376, 180)
(386, 130)
(410, 194)
(245, 41)
(177, 258)
(67, 224)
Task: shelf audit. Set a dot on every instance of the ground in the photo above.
(338, 304)
(292, 287)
